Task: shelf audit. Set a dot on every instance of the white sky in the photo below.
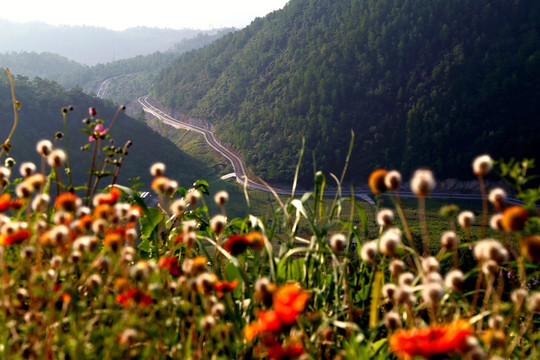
(122, 14)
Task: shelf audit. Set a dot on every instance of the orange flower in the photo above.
(113, 239)
(289, 301)
(236, 244)
(85, 223)
(171, 264)
(434, 340)
(4, 202)
(269, 321)
(133, 296)
(66, 201)
(376, 181)
(7, 203)
(109, 198)
(15, 238)
(514, 218)
(255, 239)
(103, 211)
(223, 287)
(279, 352)
(530, 247)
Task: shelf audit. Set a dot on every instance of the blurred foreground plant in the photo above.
(106, 276)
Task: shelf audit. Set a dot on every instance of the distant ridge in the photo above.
(89, 45)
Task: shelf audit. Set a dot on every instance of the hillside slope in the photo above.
(421, 83)
(40, 117)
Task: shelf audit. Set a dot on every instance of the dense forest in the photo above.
(421, 82)
(40, 117)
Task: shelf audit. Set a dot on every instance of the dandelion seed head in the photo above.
(433, 277)
(5, 173)
(392, 180)
(495, 222)
(396, 267)
(404, 295)
(27, 168)
(218, 223)
(205, 282)
(422, 182)
(56, 158)
(454, 280)
(385, 217)
(495, 321)
(338, 242)
(103, 263)
(44, 147)
(178, 207)
(157, 169)
(23, 190)
(192, 197)
(490, 267)
(392, 321)
(534, 302)
(221, 198)
(406, 279)
(390, 241)
(497, 197)
(430, 264)
(465, 219)
(518, 297)
(208, 322)
(388, 291)
(432, 293)
(128, 336)
(449, 240)
(482, 165)
(368, 253)
(140, 270)
(218, 310)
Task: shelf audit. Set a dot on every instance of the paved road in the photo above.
(104, 85)
(240, 170)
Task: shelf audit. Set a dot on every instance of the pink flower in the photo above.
(98, 131)
(92, 111)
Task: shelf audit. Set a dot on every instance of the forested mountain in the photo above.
(89, 45)
(69, 73)
(421, 82)
(40, 117)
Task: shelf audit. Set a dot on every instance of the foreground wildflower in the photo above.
(433, 340)
(289, 301)
(134, 296)
(376, 181)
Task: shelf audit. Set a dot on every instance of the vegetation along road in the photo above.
(239, 169)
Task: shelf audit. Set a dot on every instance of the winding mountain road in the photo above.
(240, 170)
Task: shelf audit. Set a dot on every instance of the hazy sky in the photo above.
(122, 14)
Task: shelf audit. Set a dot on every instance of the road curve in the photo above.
(237, 164)
(240, 170)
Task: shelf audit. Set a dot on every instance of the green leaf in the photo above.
(202, 186)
